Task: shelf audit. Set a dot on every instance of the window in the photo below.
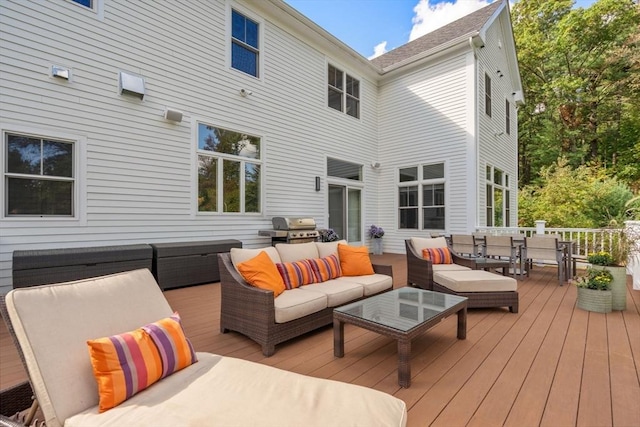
(421, 197)
(487, 94)
(39, 177)
(342, 169)
(244, 44)
(85, 3)
(497, 198)
(229, 171)
(343, 92)
(507, 116)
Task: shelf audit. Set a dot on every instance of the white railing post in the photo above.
(540, 226)
(632, 230)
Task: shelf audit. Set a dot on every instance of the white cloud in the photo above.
(379, 49)
(428, 18)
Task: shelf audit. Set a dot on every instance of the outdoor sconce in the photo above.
(317, 183)
(375, 165)
(131, 84)
(244, 93)
(172, 115)
(60, 72)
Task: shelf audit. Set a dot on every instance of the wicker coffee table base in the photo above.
(403, 338)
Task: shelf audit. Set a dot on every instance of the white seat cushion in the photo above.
(292, 252)
(449, 267)
(226, 391)
(475, 281)
(295, 303)
(337, 292)
(372, 283)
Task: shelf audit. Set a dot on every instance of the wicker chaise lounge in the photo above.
(420, 273)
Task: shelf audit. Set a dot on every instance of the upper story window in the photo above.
(229, 171)
(507, 117)
(39, 178)
(85, 3)
(244, 44)
(421, 189)
(487, 94)
(343, 92)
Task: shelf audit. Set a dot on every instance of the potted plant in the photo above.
(376, 233)
(594, 290)
(615, 265)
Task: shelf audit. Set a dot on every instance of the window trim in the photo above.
(96, 8)
(219, 170)
(231, 6)
(79, 168)
(420, 182)
(344, 94)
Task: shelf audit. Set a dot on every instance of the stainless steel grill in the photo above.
(291, 230)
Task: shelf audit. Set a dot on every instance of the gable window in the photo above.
(244, 44)
(507, 117)
(229, 171)
(487, 94)
(497, 198)
(343, 92)
(421, 197)
(39, 178)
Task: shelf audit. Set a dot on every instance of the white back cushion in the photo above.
(291, 252)
(420, 243)
(239, 255)
(53, 323)
(329, 248)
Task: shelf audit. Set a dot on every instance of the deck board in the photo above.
(551, 364)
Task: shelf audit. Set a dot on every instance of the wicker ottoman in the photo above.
(484, 289)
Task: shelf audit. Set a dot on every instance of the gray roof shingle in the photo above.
(469, 24)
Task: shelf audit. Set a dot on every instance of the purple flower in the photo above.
(376, 232)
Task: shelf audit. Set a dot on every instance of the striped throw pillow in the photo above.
(295, 274)
(326, 268)
(127, 363)
(437, 255)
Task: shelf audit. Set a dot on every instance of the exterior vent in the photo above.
(131, 84)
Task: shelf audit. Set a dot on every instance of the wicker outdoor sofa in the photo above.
(253, 312)
(420, 273)
(212, 390)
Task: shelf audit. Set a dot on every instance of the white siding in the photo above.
(423, 119)
(139, 176)
(500, 151)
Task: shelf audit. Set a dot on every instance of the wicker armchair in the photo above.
(420, 270)
(15, 400)
(250, 310)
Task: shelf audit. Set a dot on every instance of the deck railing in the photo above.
(586, 240)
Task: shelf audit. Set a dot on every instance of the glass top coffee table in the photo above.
(401, 314)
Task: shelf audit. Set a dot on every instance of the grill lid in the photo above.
(286, 223)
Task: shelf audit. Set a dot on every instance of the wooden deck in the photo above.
(551, 364)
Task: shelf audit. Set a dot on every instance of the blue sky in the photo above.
(365, 24)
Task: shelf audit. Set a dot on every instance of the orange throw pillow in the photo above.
(437, 255)
(262, 273)
(355, 261)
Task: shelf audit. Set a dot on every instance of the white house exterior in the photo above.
(109, 168)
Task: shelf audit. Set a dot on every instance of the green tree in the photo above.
(580, 70)
(583, 197)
